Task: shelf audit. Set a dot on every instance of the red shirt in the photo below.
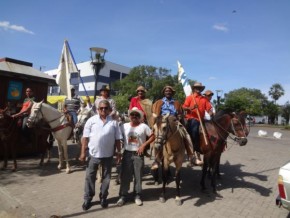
(203, 105)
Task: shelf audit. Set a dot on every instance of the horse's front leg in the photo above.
(65, 152)
(204, 172)
(60, 154)
(177, 181)
(165, 169)
(213, 178)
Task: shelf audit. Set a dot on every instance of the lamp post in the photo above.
(98, 62)
(218, 97)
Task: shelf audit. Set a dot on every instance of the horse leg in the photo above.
(218, 167)
(68, 170)
(213, 178)
(60, 154)
(5, 157)
(204, 172)
(177, 181)
(164, 181)
(13, 152)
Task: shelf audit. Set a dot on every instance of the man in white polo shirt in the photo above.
(102, 136)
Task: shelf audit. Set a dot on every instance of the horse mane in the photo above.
(158, 121)
(221, 113)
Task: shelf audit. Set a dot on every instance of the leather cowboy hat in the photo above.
(208, 92)
(141, 88)
(198, 85)
(136, 110)
(168, 87)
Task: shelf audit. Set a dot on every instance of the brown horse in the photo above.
(9, 135)
(218, 130)
(169, 139)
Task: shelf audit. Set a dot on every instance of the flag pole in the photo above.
(67, 70)
(77, 68)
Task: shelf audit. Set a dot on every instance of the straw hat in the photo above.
(136, 110)
(208, 93)
(168, 87)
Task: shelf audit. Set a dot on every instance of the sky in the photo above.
(224, 44)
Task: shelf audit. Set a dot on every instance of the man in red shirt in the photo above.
(195, 105)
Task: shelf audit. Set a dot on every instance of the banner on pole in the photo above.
(182, 78)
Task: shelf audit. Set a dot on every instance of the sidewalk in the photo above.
(248, 187)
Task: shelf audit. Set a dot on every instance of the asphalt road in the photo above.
(248, 187)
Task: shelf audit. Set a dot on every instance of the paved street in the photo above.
(248, 187)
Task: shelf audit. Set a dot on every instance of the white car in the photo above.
(283, 199)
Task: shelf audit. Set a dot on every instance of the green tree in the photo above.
(244, 99)
(286, 111)
(276, 91)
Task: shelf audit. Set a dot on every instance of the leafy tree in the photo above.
(276, 91)
(244, 99)
(271, 110)
(286, 111)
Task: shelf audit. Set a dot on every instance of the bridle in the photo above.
(161, 139)
(233, 130)
(39, 114)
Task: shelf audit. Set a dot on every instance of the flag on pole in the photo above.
(182, 78)
(65, 68)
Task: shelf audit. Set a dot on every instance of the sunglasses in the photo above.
(135, 115)
(103, 108)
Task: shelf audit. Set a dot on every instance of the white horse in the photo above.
(61, 128)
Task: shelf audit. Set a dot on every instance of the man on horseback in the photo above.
(168, 105)
(208, 95)
(195, 105)
(25, 111)
(105, 95)
(71, 106)
(142, 103)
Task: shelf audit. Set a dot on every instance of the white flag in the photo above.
(65, 68)
(182, 78)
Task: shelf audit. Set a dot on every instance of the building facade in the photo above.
(84, 81)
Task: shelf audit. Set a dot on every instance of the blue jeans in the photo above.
(132, 164)
(91, 172)
(193, 130)
(74, 116)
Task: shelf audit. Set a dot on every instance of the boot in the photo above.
(198, 160)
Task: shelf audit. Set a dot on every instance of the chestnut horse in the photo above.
(218, 130)
(61, 128)
(169, 140)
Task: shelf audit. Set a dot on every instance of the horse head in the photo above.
(163, 128)
(35, 114)
(239, 128)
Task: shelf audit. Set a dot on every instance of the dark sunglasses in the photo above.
(135, 115)
(103, 108)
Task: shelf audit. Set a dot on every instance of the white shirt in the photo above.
(135, 136)
(102, 136)
(206, 115)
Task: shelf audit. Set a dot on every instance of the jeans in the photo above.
(91, 173)
(74, 116)
(193, 130)
(132, 164)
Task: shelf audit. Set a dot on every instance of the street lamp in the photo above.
(219, 94)
(98, 62)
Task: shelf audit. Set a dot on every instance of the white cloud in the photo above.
(212, 78)
(221, 27)
(6, 26)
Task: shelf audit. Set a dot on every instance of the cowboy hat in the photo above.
(198, 85)
(105, 88)
(136, 110)
(141, 88)
(168, 87)
(208, 92)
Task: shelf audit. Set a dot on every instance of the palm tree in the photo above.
(276, 91)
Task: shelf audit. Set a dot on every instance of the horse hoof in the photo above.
(162, 200)
(178, 202)
(59, 167)
(68, 171)
(156, 183)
